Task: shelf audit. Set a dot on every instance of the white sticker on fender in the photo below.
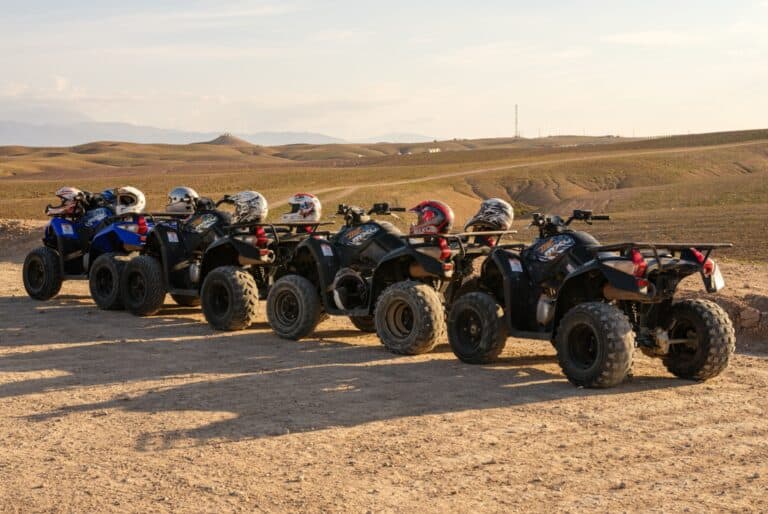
(173, 237)
(515, 265)
(327, 250)
(67, 229)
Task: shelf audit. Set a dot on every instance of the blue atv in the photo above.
(66, 241)
(85, 240)
(107, 254)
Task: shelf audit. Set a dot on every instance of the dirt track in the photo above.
(105, 411)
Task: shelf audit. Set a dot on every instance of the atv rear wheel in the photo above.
(477, 330)
(185, 300)
(711, 337)
(104, 281)
(293, 307)
(230, 298)
(42, 273)
(409, 318)
(595, 344)
(142, 286)
(364, 323)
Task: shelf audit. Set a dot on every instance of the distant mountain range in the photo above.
(70, 134)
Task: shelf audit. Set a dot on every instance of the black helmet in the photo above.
(494, 214)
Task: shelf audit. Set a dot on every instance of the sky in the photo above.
(357, 69)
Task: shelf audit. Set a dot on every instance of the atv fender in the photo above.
(401, 259)
(115, 239)
(587, 283)
(513, 291)
(229, 251)
(70, 241)
(316, 260)
(168, 250)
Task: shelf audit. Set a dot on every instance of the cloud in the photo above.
(61, 83)
(654, 38)
(208, 18)
(341, 34)
(193, 51)
(511, 52)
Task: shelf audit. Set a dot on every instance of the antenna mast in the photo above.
(517, 132)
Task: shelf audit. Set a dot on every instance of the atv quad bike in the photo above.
(110, 250)
(171, 261)
(238, 269)
(596, 304)
(369, 272)
(90, 247)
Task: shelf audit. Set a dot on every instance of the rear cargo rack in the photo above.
(273, 229)
(467, 248)
(625, 247)
(650, 246)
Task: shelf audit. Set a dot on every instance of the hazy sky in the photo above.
(357, 68)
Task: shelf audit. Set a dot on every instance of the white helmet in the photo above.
(129, 200)
(72, 202)
(182, 200)
(250, 207)
(494, 214)
(305, 208)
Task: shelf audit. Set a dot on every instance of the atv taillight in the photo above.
(490, 241)
(261, 237)
(141, 223)
(445, 250)
(707, 265)
(640, 267)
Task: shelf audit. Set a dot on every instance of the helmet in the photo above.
(182, 200)
(72, 202)
(494, 214)
(129, 200)
(305, 207)
(435, 217)
(108, 195)
(250, 206)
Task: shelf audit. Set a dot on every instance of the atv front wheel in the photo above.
(476, 328)
(142, 286)
(409, 318)
(230, 298)
(42, 273)
(595, 344)
(364, 323)
(185, 300)
(104, 281)
(293, 307)
(711, 340)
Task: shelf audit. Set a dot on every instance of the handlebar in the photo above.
(550, 224)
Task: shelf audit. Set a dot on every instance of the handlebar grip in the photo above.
(602, 217)
(398, 209)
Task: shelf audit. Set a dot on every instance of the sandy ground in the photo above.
(106, 411)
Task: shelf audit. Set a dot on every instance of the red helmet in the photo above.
(435, 217)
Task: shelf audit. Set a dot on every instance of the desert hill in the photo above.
(702, 185)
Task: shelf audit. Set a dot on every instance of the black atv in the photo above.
(383, 280)
(596, 304)
(171, 261)
(238, 269)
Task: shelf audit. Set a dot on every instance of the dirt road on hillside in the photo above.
(106, 411)
(347, 190)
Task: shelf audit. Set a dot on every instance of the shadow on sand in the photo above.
(272, 386)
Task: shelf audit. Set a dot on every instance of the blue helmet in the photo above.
(108, 195)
